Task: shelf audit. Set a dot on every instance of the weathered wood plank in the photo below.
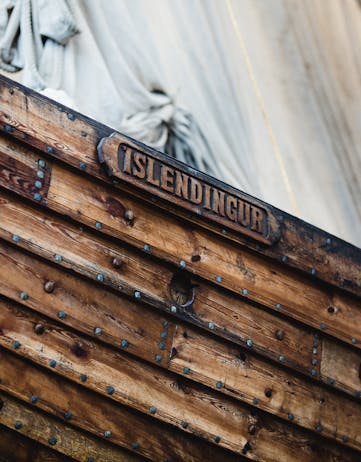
(73, 139)
(92, 413)
(14, 446)
(273, 441)
(212, 308)
(58, 436)
(339, 364)
(231, 267)
(247, 378)
(82, 306)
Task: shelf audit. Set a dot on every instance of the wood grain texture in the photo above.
(82, 306)
(15, 446)
(74, 141)
(273, 441)
(233, 268)
(55, 434)
(213, 309)
(92, 413)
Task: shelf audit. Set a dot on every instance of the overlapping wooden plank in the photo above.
(73, 138)
(59, 436)
(90, 412)
(213, 309)
(246, 377)
(234, 268)
(274, 441)
(14, 446)
(82, 306)
(339, 364)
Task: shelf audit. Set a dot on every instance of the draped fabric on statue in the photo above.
(275, 88)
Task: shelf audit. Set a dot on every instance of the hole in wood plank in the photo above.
(181, 289)
(195, 258)
(331, 309)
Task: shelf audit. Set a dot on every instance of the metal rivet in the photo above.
(331, 380)
(224, 231)
(328, 241)
(100, 277)
(18, 424)
(255, 400)
(217, 439)
(314, 351)
(98, 225)
(49, 149)
(83, 378)
(98, 331)
(313, 272)
(185, 424)
(319, 428)
(249, 343)
(8, 128)
(61, 315)
(219, 384)
(52, 440)
(90, 459)
(268, 392)
(182, 264)
(137, 294)
(39, 328)
(24, 296)
(186, 370)
(124, 343)
(244, 292)
(173, 309)
(322, 326)
(16, 344)
(315, 343)
(116, 262)
(354, 341)
(219, 278)
(357, 393)
(82, 165)
(162, 346)
(41, 163)
(129, 215)
(158, 358)
(166, 324)
(38, 184)
(107, 434)
(135, 445)
(290, 417)
(52, 363)
(313, 372)
(40, 174)
(58, 258)
(164, 335)
(153, 410)
(278, 307)
(68, 415)
(34, 399)
(282, 358)
(110, 390)
(252, 429)
(11, 91)
(70, 116)
(314, 361)
(279, 334)
(15, 238)
(49, 286)
(211, 325)
(37, 197)
(146, 247)
(284, 259)
(345, 438)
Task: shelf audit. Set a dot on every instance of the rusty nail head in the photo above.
(279, 334)
(49, 286)
(39, 328)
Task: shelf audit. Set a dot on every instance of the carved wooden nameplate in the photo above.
(173, 181)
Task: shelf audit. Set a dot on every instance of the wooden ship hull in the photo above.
(151, 312)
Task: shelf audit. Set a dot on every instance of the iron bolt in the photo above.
(49, 286)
